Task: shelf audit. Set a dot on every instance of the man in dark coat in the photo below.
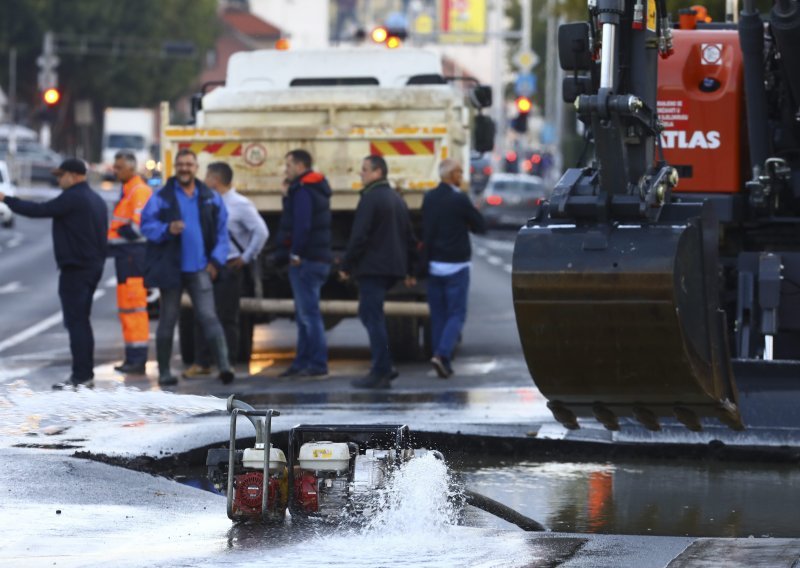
(80, 225)
(185, 224)
(380, 252)
(448, 216)
(304, 239)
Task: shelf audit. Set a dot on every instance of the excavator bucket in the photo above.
(623, 320)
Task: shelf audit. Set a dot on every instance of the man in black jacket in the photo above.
(80, 226)
(304, 236)
(448, 216)
(380, 253)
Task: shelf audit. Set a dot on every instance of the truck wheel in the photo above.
(404, 338)
(186, 336)
(246, 326)
(427, 339)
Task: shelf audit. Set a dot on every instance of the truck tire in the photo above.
(427, 339)
(186, 336)
(246, 326)
(404, 338)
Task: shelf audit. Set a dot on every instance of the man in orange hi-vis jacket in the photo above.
(127, 246)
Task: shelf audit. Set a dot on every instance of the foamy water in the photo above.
(24, 411)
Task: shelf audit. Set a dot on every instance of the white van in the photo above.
(6, 215)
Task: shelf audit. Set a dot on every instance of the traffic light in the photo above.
(390, 37)
(520, 122)
(51, 97)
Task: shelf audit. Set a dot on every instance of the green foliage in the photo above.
(107, 79)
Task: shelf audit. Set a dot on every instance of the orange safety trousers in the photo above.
(132, 305)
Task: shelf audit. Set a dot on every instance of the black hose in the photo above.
(502, 511)
(751, 38)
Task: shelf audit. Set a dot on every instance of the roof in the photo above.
(271, 69)
(249, 24)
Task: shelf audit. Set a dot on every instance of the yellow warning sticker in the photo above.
(651, 15)
(324, 454)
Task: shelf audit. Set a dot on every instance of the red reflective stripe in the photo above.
(402, 148)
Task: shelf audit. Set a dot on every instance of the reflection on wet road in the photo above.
(648, 497)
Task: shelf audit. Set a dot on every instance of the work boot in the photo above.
(223, 363)
(372, 381)
(130, 369)
(163, 356)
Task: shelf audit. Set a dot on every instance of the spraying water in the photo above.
(414, 525)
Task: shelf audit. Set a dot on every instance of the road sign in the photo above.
(525, 59)
(525, 85)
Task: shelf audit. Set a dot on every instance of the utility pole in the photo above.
(12, 106)
(48, 79)
(498, 98)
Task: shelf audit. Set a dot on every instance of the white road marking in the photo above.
(495, 260)
(38, 328)
(11, 287)
(110, 282)
(15, 241)
(499, 245)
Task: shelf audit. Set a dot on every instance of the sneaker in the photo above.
(73, 385)
(441, 367)
(312, 373)
(130, 369)
(168, 380)
(226, 377)
(373, 382)
(196, 370)
(291, 372)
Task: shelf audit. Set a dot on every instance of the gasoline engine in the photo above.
(334, 471)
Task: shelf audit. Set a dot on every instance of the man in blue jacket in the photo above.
(80, 225)
(305, 237)
(185, 224)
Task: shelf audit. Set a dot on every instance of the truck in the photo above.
(658, 289)
(339, 105)
(133, 129)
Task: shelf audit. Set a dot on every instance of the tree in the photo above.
(107, 80)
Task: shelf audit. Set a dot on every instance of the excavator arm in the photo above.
(616, 285)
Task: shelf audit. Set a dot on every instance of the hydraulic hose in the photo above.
(751, 37)
(502, 511)
(785, 23)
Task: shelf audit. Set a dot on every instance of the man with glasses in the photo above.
(80, 225)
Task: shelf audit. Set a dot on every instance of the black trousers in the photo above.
(76, 287)
(227, 292)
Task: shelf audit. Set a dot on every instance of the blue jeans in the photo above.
(371, 294)
(447, 298)
(312, 349)
(201, 290)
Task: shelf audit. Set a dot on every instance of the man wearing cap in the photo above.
(80, 226)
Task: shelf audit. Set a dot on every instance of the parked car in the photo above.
(511, 199)
(6, 215)
(42, 161)
(480, 168)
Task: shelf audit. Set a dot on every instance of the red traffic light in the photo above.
(524, 104)
(51, 96)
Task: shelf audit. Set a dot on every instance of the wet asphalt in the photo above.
(59, 509)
